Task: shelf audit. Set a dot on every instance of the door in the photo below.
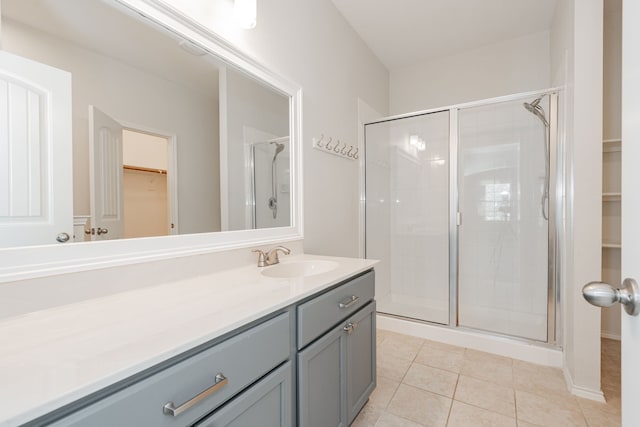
(105, 150)
(503, 244)
(36, 192)
(407, 214)
(321, 381)
(630, 205)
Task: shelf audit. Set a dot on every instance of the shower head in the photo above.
(535, 108)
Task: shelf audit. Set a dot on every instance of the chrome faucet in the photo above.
(271, 257)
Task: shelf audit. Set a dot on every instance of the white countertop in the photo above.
(52, 357)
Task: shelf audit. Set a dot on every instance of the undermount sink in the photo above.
(299, 268)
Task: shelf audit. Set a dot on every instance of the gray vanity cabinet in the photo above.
(311, 365)
(337, 370)
(193, 388)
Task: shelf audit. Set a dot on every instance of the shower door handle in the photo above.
(604, 295)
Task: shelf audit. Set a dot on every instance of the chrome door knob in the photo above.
(604, 295)
(63, 237)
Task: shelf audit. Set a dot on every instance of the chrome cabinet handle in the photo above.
(350, 327)
(348, 302)
(170, 409)
(604, 295)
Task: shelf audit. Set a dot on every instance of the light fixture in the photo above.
(246, 11)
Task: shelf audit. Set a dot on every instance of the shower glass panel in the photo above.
(503, 236)
(407, 214)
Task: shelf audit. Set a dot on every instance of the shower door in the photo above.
(503, 233)
(407, 214)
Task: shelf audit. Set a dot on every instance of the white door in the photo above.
(105, 148)
(36, 191)
(630, 205)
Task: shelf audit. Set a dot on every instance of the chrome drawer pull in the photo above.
(348, 302)
(170, 409)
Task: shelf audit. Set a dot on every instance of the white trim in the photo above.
(46, 260)
(585, 393)
(365, 113)
(223, 149)
(504, 346)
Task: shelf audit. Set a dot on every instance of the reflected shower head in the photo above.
(535, 108)
(279, 149)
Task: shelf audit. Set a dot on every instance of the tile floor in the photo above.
(426, 383)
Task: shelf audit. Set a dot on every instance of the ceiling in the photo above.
(406, 32)
(118, 33)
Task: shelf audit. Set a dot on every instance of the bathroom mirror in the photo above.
(170, 131)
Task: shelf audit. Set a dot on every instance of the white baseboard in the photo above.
(475, 340)
(610, 335)
(583, 392)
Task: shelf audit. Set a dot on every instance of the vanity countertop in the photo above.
(52, 357)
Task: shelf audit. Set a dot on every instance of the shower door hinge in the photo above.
(458, 219)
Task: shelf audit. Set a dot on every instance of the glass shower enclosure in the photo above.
(457, 208)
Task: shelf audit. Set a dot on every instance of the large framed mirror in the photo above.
(130, 132)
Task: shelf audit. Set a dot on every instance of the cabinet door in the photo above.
(361, 359)
(266, 404)
(321, 381)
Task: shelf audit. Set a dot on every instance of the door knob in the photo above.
(604, 295)
(63, 237)
(101, 231)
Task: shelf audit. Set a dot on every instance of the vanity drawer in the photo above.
(241, 360)
(318, 315)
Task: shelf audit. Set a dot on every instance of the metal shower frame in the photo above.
(556, 205)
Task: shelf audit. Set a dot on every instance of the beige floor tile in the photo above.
(602, 419)
(486, 395)
(550, 411)
(422, 407)
(381, 334)
(495, 372)
(390, 420)
(593, 409)
(400, 346)
(431, 379)
(391, 367)
(384, 391)
(368, 416)
(471, 354)
(444, 347)
(463, 415)
(439, 358)
(538, 379)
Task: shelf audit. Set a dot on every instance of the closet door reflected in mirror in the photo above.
(150, 80)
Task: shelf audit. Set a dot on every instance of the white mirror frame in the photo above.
(38, 261)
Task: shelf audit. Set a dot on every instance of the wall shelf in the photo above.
(612, 145)
(611, 197)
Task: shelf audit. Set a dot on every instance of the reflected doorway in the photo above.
(146, 186)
